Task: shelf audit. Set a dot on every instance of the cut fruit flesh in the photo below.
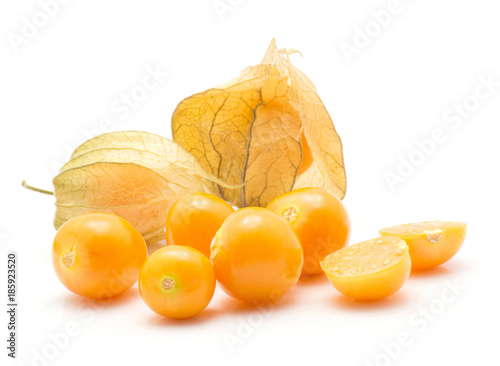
(369, 270)
(431, 243)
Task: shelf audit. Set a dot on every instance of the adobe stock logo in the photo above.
(452, 119)
(31, 26)
(418, 323)
(121, 107)
(365, 34)
(222, 7)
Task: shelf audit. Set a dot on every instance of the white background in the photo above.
(398, 88)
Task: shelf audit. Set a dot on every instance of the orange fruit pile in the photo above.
(255, 254)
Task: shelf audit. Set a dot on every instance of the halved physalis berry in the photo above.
(431, 242)
(370, 270)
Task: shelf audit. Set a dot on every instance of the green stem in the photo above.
(27, 186)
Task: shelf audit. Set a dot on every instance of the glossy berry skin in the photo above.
(98, 255)
(256, 255)
(320, 221)
(177, 282)
(194, 219)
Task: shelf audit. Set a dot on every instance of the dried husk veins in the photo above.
(250, 132)
(135, 175)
